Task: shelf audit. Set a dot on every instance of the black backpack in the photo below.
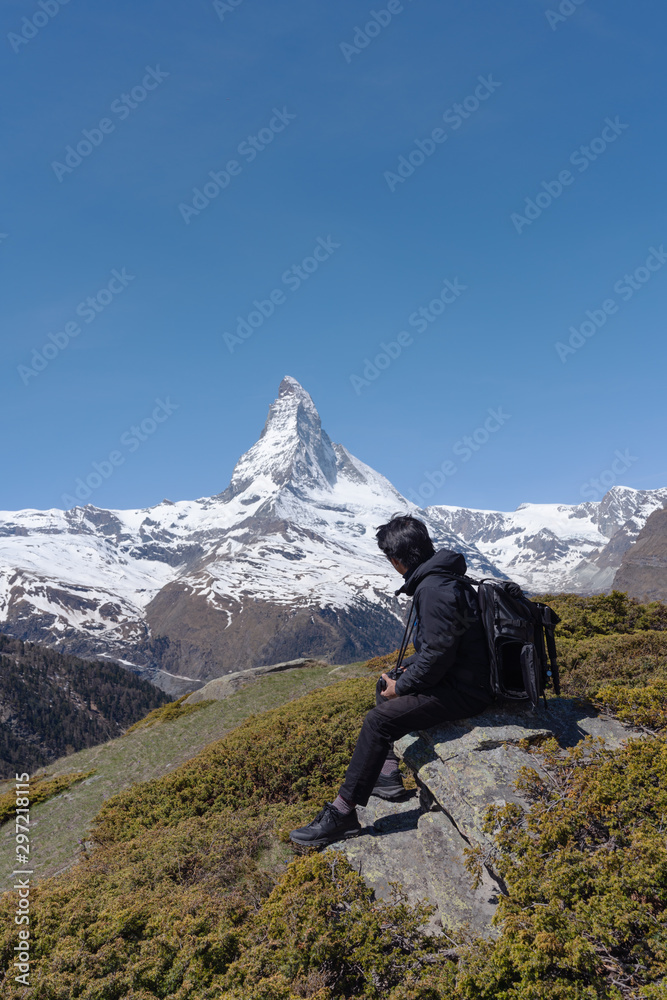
(522, 645)
(521, 640)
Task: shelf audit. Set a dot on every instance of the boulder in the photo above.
(222, 687)
(461, 768)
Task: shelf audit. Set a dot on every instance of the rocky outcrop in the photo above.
(461, 769)
(643, 570)
(222, 687)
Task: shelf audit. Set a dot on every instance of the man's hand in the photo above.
(390, 690)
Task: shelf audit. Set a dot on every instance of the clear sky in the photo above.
(349, 159)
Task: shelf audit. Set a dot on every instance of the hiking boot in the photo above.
(390, 786)
(328, 826)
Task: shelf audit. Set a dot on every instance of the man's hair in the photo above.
(406, 539)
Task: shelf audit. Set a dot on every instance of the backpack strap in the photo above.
(549, 630)
(406, 635)
(549, 620)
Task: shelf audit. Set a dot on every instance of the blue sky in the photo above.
(336, 99)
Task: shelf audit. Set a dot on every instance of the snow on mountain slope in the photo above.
(282, 563)
(556, 547)
(295, 529)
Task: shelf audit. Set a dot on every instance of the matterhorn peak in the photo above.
(290, 386)
(292, 448)
(291, 397)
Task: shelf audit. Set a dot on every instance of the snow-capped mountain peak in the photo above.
(283, 563)
(292, 448)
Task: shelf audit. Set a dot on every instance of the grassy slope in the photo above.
(149, 752)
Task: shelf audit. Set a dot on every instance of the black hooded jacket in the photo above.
(450, 642)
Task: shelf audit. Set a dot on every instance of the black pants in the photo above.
(390, 720)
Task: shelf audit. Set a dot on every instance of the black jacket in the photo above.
(450, 642)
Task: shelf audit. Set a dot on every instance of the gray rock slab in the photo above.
(462, 908)
(568, 720)
(380, 853)
(469, 783)
(425, 854)
(572, 720)
(463, 768)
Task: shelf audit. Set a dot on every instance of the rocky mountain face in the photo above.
(643, 569)
(283, 563)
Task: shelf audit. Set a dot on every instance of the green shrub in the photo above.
(295, 753)
(585, 913)
(638, 706)
(277, 988)
(637, 659)
(623, 674)
(604, 614)
(321, 921)
(158, 916)
(170, 712)
(187, 913)
(41, 789)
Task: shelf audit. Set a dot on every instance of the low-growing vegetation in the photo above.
(293, 754)
(586, 869)
(169, 713)
(192, 893)
(605, 614)
(613, 650)
(41, 789)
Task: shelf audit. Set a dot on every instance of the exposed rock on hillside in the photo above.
(643, 570)
(462, 768)
(222, 687)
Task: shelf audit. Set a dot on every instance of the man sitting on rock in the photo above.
(446, 679)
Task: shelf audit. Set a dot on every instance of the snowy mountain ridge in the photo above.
(282, 563)
(557, 547)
